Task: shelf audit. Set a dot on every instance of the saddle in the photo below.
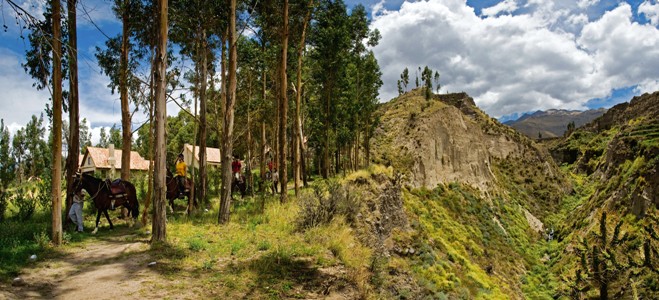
(117, 189)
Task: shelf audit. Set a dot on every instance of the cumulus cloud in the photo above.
(651, 11)
(517, 63)
(587, 3)
(507, 6)
(19, 99)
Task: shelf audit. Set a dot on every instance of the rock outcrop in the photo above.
(448, 139)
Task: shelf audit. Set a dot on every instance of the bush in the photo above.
(3, 205)
(328, 200)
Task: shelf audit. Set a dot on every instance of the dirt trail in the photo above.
(110, 268)
(117, 267)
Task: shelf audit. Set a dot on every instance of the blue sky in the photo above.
(512, 56)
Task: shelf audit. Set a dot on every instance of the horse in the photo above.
(238, 184)
(101, 192)
(173, 191)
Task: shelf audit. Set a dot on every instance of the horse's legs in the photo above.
(98, 219)
(105, 212)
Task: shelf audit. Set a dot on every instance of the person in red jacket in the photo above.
(235, 168)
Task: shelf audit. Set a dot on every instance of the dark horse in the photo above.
(174, 193)
(239, 185)
(100, 191)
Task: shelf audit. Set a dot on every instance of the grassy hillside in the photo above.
(609, 223)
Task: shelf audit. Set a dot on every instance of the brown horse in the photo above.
(174, 193)
(100, 191)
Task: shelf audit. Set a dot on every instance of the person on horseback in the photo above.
(181, 173)
(75, 213)
(235, 168)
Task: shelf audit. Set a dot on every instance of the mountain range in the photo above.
(552, 123)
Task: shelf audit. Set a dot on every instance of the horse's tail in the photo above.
(132, 199)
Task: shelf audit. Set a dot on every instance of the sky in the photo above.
(511, 56)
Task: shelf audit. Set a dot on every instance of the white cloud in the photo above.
(19, 99)
(506, 6)
(651, 11)
(517, 63)
(587, 3)
(577, 20)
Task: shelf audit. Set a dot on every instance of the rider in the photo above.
(235, 168)
(181, 172)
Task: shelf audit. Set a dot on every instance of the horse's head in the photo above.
(77, 183)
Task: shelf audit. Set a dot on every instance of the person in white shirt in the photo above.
(75, 213)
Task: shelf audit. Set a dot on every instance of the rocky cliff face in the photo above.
(448, 139)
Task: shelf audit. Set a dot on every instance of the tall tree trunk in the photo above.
(194, 144)
(159, 228)
(263, 117)
(223, 90)
(297, 140)
(367, 148)
(202, 121)
(126, 127)
(262, 167)
(72, 162)
(227, 142)
(149, 192)
(57, 126)
(326, 160)
(250, 178)
(283, 109)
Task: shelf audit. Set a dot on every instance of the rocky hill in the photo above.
(474, 193)
(553, 122)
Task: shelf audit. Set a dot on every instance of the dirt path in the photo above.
(116, 266)
(110, 268)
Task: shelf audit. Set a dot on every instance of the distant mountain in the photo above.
(553, 122)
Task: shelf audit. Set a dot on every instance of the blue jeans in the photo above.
(75, 214)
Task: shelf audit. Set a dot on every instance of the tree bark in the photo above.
(297, 141)
(126, 127)
(250, 178)
(202, 122)
(283, 108)
(57, 126)
(72, 162)
(159, 227)
(263, 117)
(227, 142)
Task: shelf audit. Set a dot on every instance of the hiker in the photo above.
(181, 173)
(275, 181)
(235, 168)
(75, 213)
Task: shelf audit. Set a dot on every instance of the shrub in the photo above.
(328, 200)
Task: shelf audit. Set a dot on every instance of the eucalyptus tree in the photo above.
(119, 60)
(7, 166)
(57, 125)
(330, 39)
(73, 142)
(298, 137)
(227, 129)
(346, 75)
(283, 105)
(159, 226)
(196, 26)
